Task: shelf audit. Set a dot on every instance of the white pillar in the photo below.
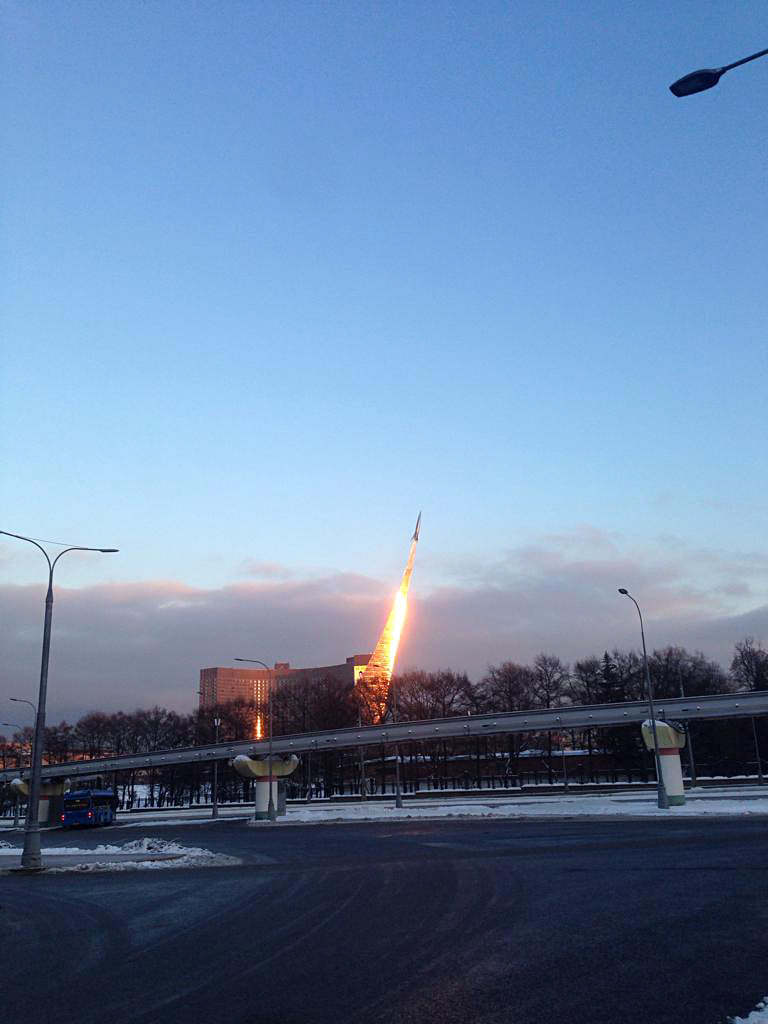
(672, 773)
(262, 795)
(671, 739)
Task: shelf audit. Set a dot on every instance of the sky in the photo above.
(277, 276)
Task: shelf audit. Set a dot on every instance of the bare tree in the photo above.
(508, 687)
(750, 665)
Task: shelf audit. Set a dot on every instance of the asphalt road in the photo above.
(454, 922)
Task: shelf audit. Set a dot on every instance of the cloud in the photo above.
(128, 645)
(265, 570)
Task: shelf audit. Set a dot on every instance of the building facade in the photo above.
(223, 685)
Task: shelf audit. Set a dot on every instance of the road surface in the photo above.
(457, 922)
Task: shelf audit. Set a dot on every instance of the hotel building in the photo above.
(222, 685)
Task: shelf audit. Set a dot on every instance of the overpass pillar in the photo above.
(258, 771)
(671, 737)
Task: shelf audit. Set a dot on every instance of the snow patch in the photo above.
(180, 856)
(193, 858)
(178, 819)
(545, 806)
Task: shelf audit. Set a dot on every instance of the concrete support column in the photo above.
(672, 774)
(671, 738)
(261, 786)
(259, 772)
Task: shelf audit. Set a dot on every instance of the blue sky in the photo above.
(276, 276)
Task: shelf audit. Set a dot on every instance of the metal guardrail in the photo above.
(721, 705)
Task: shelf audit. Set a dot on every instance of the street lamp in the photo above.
(21, 700)
(398, 792)
(31, 859)
(215, 801)
(662, 799)
(707, 78)
(271, 812)
(20, 759)
(689, 739)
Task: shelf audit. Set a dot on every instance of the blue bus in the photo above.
(88, 807)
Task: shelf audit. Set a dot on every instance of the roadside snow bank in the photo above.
(527, 807)
(131, 856)
(758, 1016)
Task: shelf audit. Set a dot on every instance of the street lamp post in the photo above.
(661, 792)
(31, 859)
(20, 759)
(689, 738)
(398, 792)
(700, 81)
(707, 78)
(21, 700)
(363, 786)
(757, 754)
(215, 800)
(271, 812)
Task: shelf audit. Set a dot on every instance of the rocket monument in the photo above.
(373, 683)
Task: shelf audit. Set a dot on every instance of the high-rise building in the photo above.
(222, 685)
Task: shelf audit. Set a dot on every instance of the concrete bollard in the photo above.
(671, 739)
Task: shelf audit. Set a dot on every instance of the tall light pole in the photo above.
(31, 859)
(215, 800)
(757, 754)
(661, 793)
(398, 793)
(707, 78)
(20, 759)
(363, 786)
(700, 81)
(686, 725)
(271, 812)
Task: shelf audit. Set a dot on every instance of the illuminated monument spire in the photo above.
(373, 683)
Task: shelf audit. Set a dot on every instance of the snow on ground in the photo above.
(109, 857)
(242, 812)
(189, 857)
(609, 806)
(758, 1016)
(722, 802)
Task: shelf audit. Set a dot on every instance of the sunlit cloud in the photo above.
(127, 645)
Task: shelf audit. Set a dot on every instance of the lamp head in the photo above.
(624, 591)
(696, 81)
(109, 551)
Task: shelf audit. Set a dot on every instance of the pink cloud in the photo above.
(128, 645)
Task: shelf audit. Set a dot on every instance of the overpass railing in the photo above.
(711, 706)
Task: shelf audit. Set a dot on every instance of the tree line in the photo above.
(302, 706)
